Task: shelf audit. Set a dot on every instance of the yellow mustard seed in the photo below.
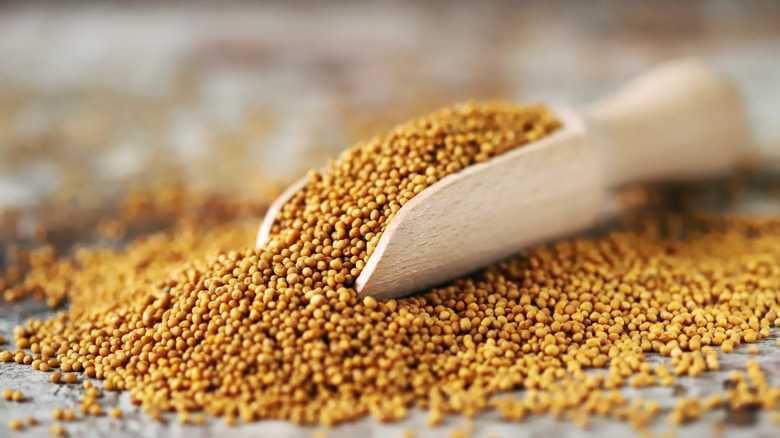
(68, 415)
(95, 409)
(15, 424)
(183, 417)
(115, 413)
(369, 302)
(318, 300)
(56, 430)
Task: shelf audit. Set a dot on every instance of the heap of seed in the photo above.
(280, 333)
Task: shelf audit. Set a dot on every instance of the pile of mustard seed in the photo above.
(187, 323)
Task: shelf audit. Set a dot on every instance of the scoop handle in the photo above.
(678, 122)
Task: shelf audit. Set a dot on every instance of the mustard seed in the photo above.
(15, 424)
(56, 430)
(369, 302)
(68, 415)
(318, 300)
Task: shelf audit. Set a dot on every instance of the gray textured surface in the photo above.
(95, 94)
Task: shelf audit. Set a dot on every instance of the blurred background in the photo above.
(97, 98)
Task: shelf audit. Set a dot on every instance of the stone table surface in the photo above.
(98, 98)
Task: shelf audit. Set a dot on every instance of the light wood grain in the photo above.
(677, 122)
(680, 121)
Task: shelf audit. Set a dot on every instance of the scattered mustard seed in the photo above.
(95, 410)
(15, 424)
(56, 430)
(68, 415)
(279, 332)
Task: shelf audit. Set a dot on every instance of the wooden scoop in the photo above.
(680, 121)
